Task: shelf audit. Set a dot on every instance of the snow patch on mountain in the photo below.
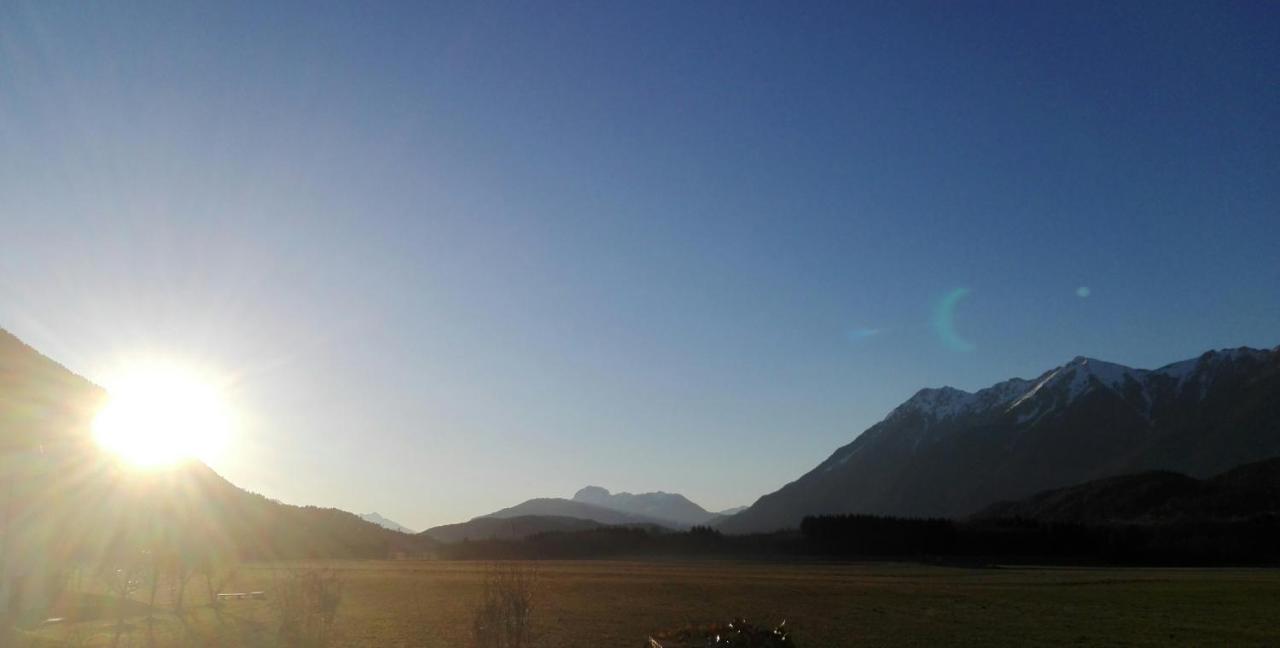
(1069, 381)
(1015, 400)
(1078, 377)
(1196, 369)
(943, 403)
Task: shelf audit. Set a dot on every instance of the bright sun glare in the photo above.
(158, 415)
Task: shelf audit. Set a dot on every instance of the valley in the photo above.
(620, 603)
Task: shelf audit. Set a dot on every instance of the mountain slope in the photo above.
(508, 528)
(559, 507)
(42, 404)
(63, 501)
(385, 523)
(673, 507)
(947, 453)
(1245, 492)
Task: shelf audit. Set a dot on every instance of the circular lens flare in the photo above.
(944, 321)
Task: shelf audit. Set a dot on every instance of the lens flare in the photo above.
(944, 321)
(157, 415)
(858, 335)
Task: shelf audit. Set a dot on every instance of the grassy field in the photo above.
(585, 603)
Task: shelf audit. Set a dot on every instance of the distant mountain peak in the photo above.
(592, 495)
(940, 401)
(385, 523)
(658, 504)
(1079, 376)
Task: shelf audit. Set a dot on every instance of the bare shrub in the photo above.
(121, 579)
(502, 616)
(217, 575)
(307, 602)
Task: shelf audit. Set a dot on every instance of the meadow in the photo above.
(619, 603)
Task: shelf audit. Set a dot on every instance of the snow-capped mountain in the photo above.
(949, 452)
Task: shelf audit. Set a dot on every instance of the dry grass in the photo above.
(306, 602)
(430, 604)
(503, 614)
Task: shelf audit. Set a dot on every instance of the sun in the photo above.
(157, 415)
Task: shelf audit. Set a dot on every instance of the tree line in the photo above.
(1249, 541)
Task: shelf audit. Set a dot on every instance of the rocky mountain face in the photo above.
(948, 453)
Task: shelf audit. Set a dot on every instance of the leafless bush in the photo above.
(217, 575)
(502, 615)
(121, 578)
(307, 601)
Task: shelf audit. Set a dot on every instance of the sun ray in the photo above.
(158, 415)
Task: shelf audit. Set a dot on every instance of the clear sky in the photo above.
(452, 256)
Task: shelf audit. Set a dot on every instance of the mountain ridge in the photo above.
(1248, 491)
(658, 505)
(560, 507)
(946, 452)
(61, 484)
(386, 523)
(508, 528)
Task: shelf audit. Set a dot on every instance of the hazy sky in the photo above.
(456, 255)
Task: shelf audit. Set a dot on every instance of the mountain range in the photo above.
(669, 507)
(942, 453)
(949, 453)
(590, 507)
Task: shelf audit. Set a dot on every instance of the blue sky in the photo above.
(456, 255)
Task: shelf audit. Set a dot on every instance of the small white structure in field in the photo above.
(240, 596)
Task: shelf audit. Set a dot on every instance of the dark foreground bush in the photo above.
(737, 634)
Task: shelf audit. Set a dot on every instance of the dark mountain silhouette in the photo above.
(1243, 493)
(593, 503)
(64, 502)
(559, 507)
(948, 453)
(508, 528)
(672, 507)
